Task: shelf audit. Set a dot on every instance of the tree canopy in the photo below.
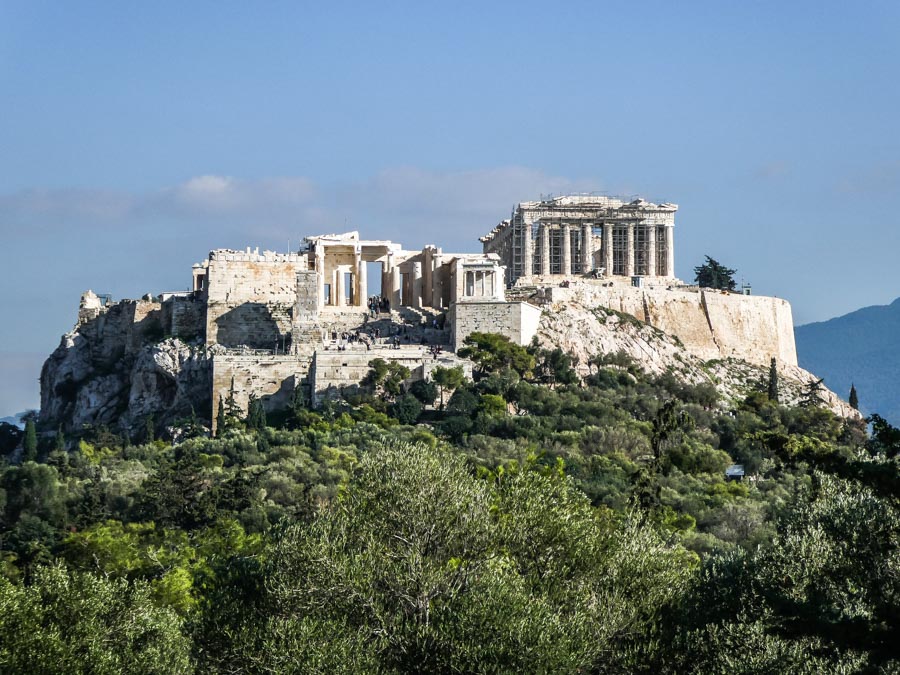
(712, 274)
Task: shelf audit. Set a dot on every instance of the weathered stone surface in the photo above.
(81, 385)
(586, 331)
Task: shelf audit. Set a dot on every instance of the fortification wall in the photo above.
(710, 324)
(185, 317)
(272, 378)
(516, 320)
(250, 299)
(333, 371)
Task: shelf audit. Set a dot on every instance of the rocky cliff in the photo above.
(585, 331)
(117, 368)
(119, 365)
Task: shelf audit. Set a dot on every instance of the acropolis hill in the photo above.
(566, 271)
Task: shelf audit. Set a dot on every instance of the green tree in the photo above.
(256, 414)
(221, 420)
(422, 567)
(493, 352)
(712, 274)
(149, 429)
(71, 622)
(386, 378)
(30, 444)
(407, 409)
(853, 400)
(812, 394)
(555, 367)
(424, 390)
(448, 380)
(773, 381)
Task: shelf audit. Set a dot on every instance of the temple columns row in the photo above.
(587, 252)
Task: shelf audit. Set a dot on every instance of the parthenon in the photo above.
(586, 234)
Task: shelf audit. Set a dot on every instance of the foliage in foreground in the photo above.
(528, 520)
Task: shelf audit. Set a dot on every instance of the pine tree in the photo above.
(854, 399)
(30, 443)
(712, 274)
(773, 381)
(811, 394)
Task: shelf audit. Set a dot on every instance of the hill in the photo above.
(861, 348)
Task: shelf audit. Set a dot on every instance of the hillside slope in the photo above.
(861, 348)
(585, 331)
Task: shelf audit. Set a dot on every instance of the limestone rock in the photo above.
(586, 331)
(95, 378)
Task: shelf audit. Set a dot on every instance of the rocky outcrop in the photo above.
(116, 369)
(587, 331)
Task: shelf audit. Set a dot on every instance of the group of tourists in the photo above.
(378, 303)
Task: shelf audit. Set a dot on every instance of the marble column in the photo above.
(527, 251)
(629, 248)
(320, 278)
(566, 249)
(362, 283)
(341, 291)
(651, 250)
(395, 287)
(545, 249)
(416, 286)
(608, 248)
(587, 248)
(670, 251)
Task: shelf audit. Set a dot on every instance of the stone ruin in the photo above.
(277, 325)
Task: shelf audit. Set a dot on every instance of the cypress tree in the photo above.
(256, 414)
(30, 442)
(220, 418)
(773, 381)
(149, 429)
(854, 399)
(60, 445)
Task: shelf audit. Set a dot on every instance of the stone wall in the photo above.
(333, 371)
(269, 377)
(710, 324)
(516, 320)
(185, 317)
(250, 299)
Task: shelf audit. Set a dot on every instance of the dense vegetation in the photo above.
(526, 521)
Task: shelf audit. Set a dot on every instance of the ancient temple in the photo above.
(586, 235)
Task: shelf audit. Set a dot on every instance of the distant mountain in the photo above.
(862, 348)
(15, 420)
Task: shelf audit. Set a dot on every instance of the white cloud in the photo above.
(411, 205)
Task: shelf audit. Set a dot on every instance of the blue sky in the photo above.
(134, 137)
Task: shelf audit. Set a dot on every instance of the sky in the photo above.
(135, 137)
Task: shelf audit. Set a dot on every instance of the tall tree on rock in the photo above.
(712, 274)
(773, 381)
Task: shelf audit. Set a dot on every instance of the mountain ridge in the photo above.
(861, 348)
